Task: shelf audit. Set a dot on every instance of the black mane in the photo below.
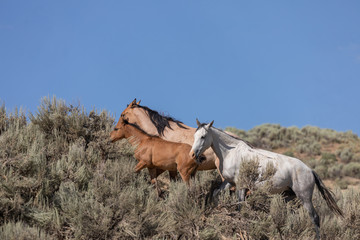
(160, 121)
(139, 128)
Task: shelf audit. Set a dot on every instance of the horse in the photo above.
(156, 154)
(291, 173)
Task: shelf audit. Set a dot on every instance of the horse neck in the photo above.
(178, 134)
(134, 135)
(144, 122)
(222, 143)
(175, 134)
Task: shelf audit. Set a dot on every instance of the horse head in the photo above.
(129, 112)
(119, 131)
(202, 139)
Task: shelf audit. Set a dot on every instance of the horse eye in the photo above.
(116, 129)
(202, 137)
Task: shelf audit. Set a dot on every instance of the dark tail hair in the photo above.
(327, 195)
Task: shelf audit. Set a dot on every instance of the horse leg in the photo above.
(140, 166)
(217, 164)
(193, 172)
(241, 194)
(153, 175)
(173, 175)
(314, 216)
(185, 175)
(187, 171)
(224, 185)
(289, 195)
(159, 171)
(305, 195)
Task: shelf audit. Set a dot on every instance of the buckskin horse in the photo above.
(155, 153)
(291, 173)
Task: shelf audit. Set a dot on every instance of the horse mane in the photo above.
(139, 128)
(234, 137)
(160, 121)
(237, 138)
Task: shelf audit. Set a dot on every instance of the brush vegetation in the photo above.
(61, 178)
(333, 155)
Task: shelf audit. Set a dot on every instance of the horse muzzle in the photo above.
(112, 137)
(199, 158)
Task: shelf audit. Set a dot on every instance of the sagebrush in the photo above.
(61, 178)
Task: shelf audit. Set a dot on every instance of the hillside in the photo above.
(334, 155)
(61, 178)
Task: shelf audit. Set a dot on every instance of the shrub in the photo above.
(312, 163)
(289, 153)
(328, 158)
(352, 169)
(257, 204)
(307, 140)
(61, 178)
(335, 171)
(16, 119)
(345, 154)
(322, 170)
(313, 148)
(351, 224)
(21, 231)
(342, 183)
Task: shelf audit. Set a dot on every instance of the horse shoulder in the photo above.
(183, 151)
(143, 152)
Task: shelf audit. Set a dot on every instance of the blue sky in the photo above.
(240, 63)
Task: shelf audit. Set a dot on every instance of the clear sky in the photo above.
(240, 63)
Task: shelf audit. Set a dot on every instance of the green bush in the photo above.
(342, 183)
(352, 169)
(335, 171)
(328, 158)
(345, 154)
(289, 153)
(313, 148)
(322, 170)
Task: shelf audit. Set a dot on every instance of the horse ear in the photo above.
(138, 102)
(210, 125)
(133, 102)
(198, 123)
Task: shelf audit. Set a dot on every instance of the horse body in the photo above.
(291, 173)
(155, 153)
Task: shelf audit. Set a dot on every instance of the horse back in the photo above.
(290, 171)
(167, 155)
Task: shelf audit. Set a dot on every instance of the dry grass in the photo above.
(60, 178)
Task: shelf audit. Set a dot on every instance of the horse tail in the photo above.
(327, 195)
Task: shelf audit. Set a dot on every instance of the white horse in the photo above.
(291, 173)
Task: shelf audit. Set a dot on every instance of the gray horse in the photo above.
(291, 173)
